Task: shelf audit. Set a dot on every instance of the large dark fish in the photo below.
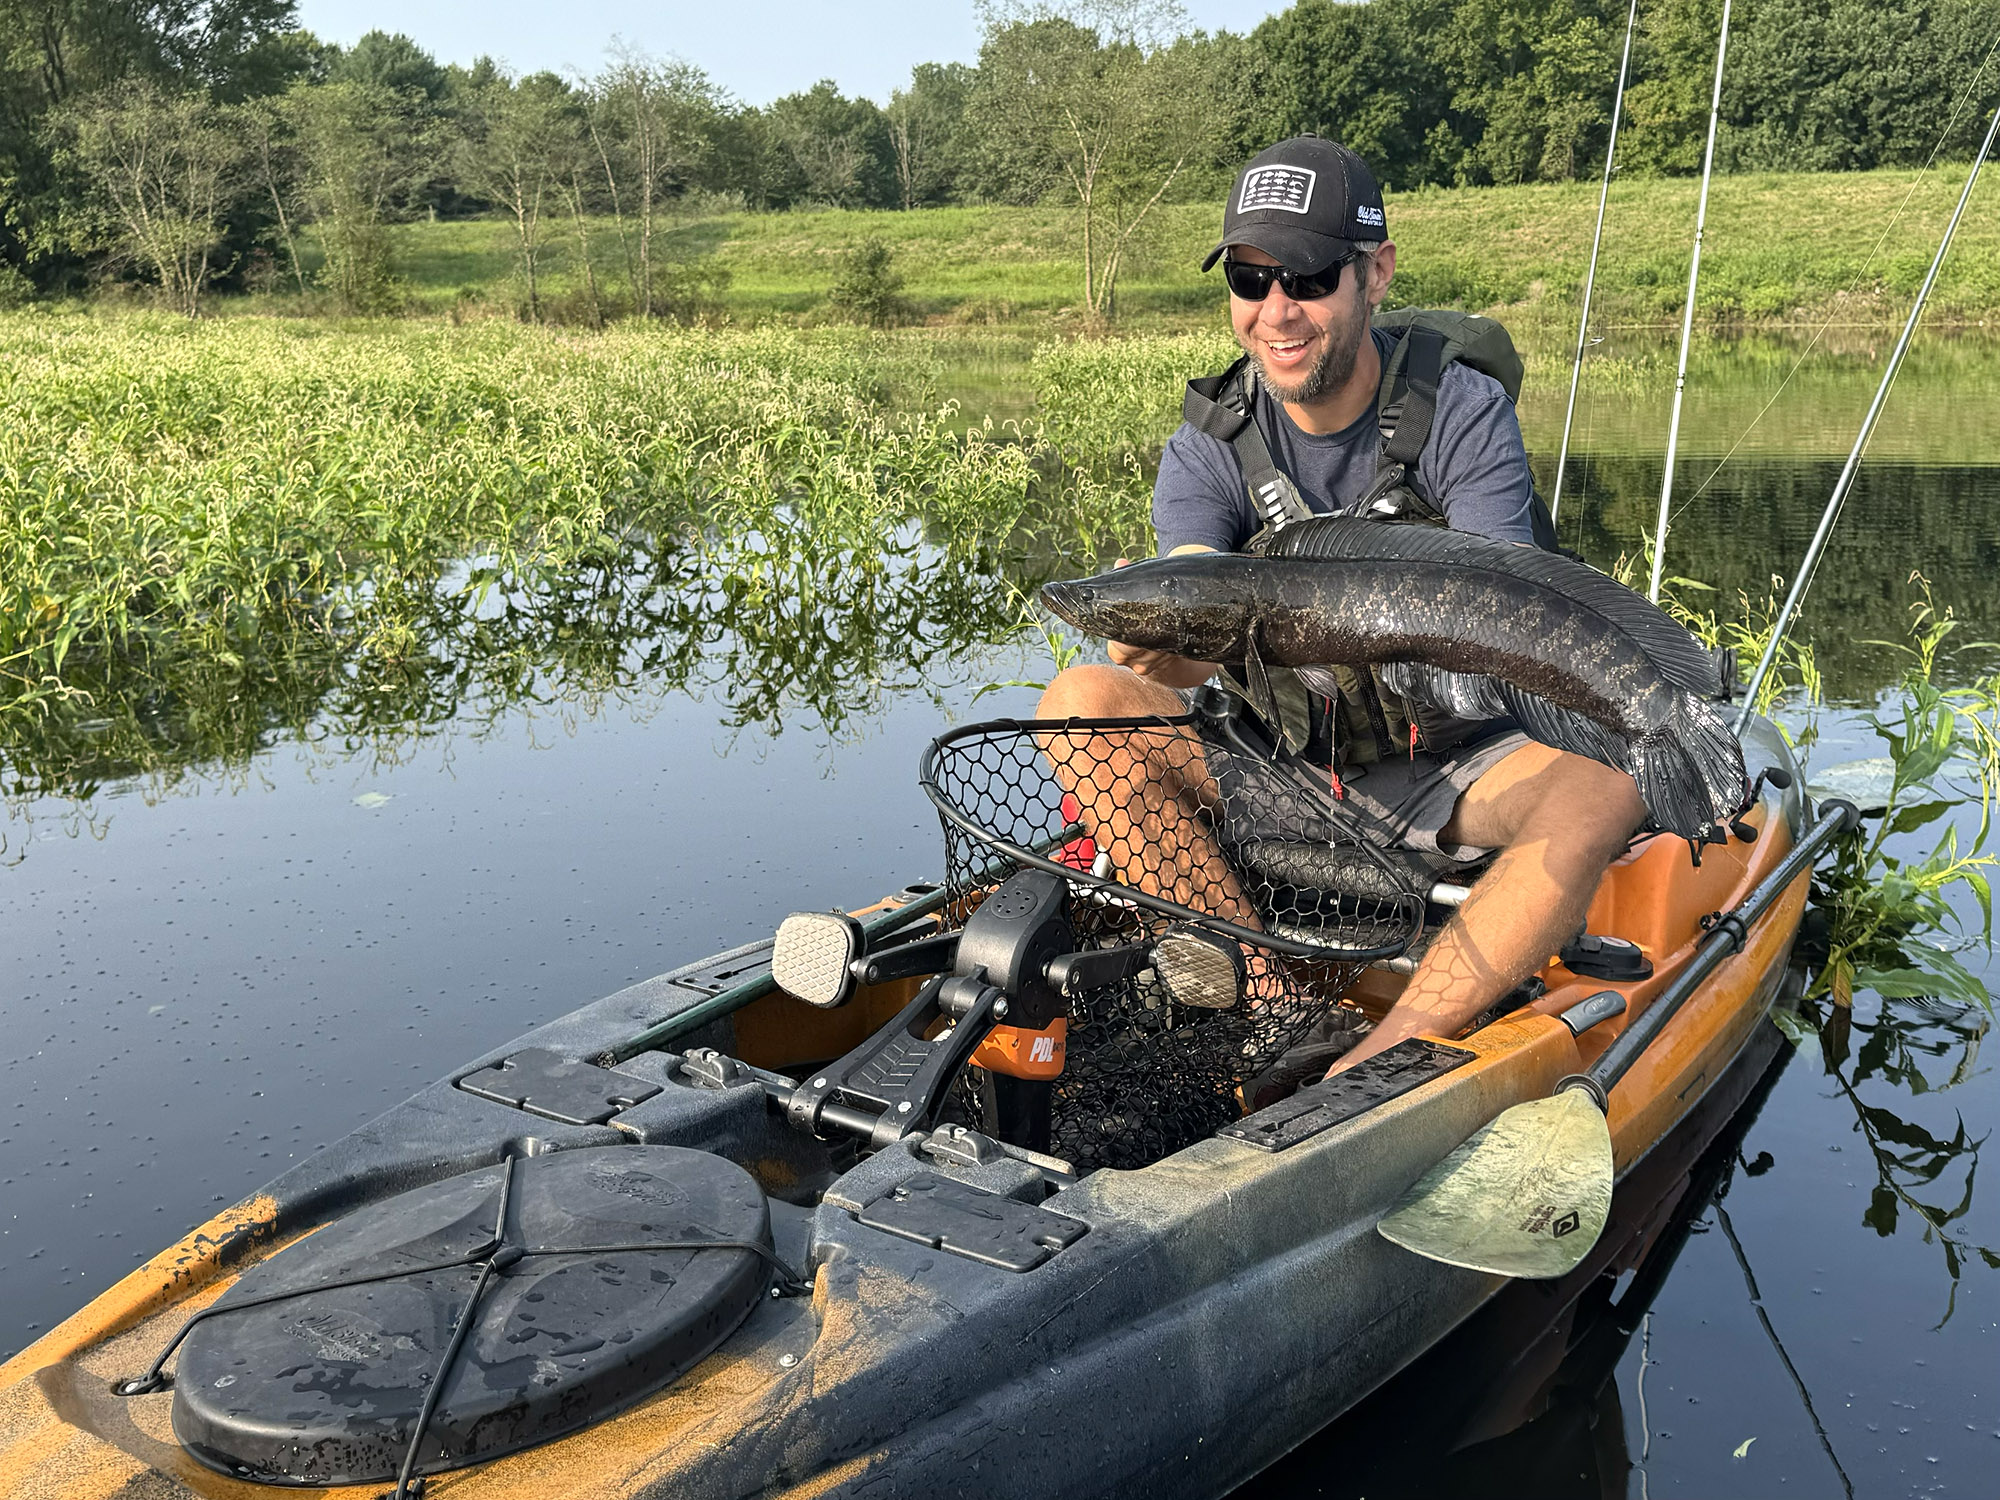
(1478, 628)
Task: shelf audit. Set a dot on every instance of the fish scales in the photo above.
(1371, 613)
(1478, 628)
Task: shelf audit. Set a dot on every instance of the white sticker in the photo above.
(1289, 188)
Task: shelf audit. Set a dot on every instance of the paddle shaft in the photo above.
(1724, 940)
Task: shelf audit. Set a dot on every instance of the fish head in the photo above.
(1178, 604)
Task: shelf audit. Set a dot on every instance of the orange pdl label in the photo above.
(1024, 1054)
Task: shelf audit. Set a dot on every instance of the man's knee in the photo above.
(1587, 805)
(1543, 795)
(1097, 691)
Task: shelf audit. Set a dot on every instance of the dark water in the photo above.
(244, 913)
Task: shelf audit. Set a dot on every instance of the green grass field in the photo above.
(1780, 248)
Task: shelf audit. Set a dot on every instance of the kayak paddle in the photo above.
(1528, 1194)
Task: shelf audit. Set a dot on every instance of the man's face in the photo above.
(1305, 350)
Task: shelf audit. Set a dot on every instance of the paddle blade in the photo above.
(1525, 1196)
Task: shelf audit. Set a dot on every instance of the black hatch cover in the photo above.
(981, 1226)
(545, 1084)
(324, 1384)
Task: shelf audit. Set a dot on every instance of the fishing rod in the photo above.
(1687, 311)
(1845, 482)
(1590, 276)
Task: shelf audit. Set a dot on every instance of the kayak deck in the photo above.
(1214, 1308)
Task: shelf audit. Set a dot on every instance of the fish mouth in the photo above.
(1068, 599)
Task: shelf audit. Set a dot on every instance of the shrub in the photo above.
(869, 288)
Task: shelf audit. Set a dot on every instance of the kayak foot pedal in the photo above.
(1321, 1106)
(962, 1220)
(546, 1084)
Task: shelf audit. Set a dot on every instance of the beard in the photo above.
(1332, 370)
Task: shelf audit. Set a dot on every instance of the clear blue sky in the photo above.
(758, 52)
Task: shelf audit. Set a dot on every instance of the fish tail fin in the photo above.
(1690, 770)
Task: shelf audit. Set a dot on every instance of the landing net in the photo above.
(1157, 829)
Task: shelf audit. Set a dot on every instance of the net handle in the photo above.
(927, 778)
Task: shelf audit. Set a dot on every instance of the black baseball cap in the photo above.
(1305, 202)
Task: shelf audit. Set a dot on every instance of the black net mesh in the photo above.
(1160, 830)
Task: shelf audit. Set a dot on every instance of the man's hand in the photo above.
(1163, 667)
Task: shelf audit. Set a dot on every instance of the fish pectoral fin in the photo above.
(1258, 689)
(1322, 680)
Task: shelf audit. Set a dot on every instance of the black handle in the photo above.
(1724, 939)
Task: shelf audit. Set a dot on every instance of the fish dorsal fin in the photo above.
(1680, 658)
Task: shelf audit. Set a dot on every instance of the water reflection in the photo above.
(1753, 521)
(1881, 1053)
(782, 629)
(772, 631)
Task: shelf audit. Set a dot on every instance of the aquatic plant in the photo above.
(233, 485)
(1111, 401)
(1893, 1050)
(1885, 911)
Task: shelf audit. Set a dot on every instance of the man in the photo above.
(1307, 261)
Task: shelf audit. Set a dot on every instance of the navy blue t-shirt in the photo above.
(1474, 468)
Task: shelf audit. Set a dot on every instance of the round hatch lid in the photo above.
(573, 1319)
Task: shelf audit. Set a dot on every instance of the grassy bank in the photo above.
(1780, 248)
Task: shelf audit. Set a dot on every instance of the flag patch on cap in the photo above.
(1288, 188)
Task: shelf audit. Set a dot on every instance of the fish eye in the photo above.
(1168, 585)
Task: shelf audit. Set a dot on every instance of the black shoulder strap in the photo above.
(1406, 407)
(1219, 405)
(1223, 407)
(1422, 369)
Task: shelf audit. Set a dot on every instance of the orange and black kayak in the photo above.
(664, 1246)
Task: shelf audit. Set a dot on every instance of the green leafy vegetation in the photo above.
(869, 288)
(233, 486)
(1888, 913)
(1110, 122)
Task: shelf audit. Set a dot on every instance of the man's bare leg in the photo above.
(1559, 820)
(1142, 796)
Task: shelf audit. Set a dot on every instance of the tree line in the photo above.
(196, 144)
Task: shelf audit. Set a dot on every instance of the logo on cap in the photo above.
(1368, 213)
(1288, 188)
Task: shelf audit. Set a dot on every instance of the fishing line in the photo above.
(1645, 1421)
(1957, 111)
(1778, 1344)
(1687, 311)
(1845, 483)
(1590, 277)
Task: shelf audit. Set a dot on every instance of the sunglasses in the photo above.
(1253, 282)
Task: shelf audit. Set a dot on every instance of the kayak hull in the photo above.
(1215, 1309)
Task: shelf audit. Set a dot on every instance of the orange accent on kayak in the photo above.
(1021, 1053)
(160, 1282)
